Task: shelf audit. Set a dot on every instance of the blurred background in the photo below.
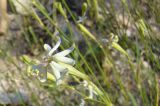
(128, 72)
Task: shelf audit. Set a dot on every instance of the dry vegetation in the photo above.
(116, 50)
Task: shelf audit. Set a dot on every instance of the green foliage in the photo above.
(112, 62)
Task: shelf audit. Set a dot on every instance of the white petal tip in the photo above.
(47, 47)
(74, 62)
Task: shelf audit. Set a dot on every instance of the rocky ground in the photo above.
(15, 83)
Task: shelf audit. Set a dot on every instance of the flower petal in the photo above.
(55, 47)
(59, 81)
(90, 92)
(82, 103)
(65, 52)
(42, 74)
(47, 47)
(58, 66)
(59, 76)
(65, 60)
(55, 71)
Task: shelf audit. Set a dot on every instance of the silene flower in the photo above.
(39, 70)
(91, 91)
(53, 60)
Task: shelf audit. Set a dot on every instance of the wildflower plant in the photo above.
(55, 60)
(56, 66)
(61, 66)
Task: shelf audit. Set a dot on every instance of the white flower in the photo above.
(92, 92)
(58, 70)
(82, 103)
(40, 70)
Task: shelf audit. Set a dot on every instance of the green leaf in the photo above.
(27, 60)
(74, 71)
(119, 48)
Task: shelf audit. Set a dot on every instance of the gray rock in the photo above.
(15, 98)
(4, 99)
